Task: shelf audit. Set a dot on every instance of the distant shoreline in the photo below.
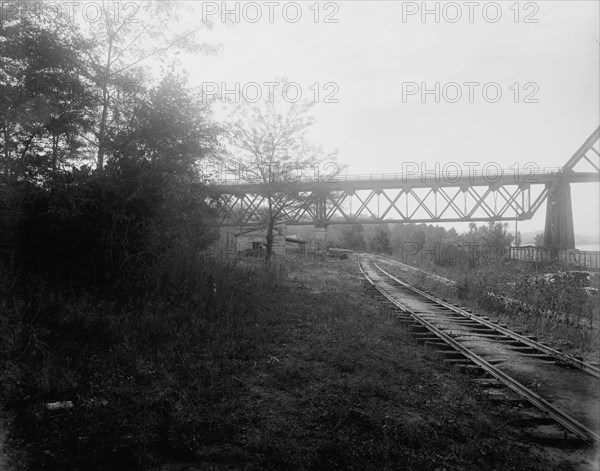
(588, 247)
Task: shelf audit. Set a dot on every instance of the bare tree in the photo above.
(269, 147)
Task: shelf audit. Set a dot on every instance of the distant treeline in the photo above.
(426, 243)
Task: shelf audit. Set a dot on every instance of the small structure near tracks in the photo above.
(254, 242)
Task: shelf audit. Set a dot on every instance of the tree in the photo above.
(42, 109)
(118, 48)
(148, 202)
(269, 147)
(352, 237)
(169, 126)
(378, 240)
(149, 199)
(169, 132)
(496, 234)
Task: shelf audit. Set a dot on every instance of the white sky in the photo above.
(370, 52)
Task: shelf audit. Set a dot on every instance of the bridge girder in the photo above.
(391, 205)
(397, 198)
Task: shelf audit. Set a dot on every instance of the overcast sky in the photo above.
(542, 56)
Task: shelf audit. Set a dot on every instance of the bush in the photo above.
(83, 229)
(106, 303)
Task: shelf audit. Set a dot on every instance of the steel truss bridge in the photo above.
(452, 195)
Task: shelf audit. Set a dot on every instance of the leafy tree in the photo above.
(119, 47)
(417, 243)
(42, 109)
(378, 241)
(352, 237)
(150, 198)
(496, 234)
(491, 240)
(169, 131)
(169, 126)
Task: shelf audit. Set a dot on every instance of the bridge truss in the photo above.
(490, 194)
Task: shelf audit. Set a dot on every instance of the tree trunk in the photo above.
(102, 130)
(54, 153)
(270, 228)
(23, 153)
(270, 237)
(6, 150)
(105, 104)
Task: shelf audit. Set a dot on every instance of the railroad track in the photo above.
(506, 301)
(474, 341)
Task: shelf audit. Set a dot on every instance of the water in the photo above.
(588, 247)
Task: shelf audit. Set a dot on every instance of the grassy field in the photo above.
(236, 367)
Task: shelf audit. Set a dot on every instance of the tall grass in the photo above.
(226, 365)
(143, 366)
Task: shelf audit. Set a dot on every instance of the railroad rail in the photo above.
(506, 300)
(441, 279)
(390, 287)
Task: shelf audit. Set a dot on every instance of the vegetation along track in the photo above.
(507, 301)
(529, 341)
(566, 389)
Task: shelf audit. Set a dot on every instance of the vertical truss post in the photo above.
(320, 209)
(320, 221)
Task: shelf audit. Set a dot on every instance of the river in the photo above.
(588, 247)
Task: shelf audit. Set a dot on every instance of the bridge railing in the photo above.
(491, 176)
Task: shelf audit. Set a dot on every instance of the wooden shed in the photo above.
(295, 246)
(253, 242)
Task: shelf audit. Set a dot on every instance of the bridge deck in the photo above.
(407, 180)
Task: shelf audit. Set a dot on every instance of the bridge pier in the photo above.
(559, 233)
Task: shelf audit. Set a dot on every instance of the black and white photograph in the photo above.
(300, 235)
